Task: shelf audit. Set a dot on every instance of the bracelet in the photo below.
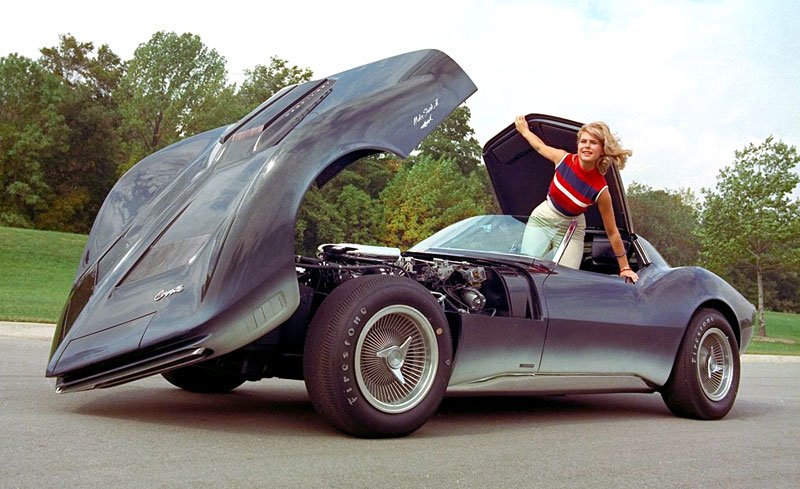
(620, 255)
(623, 269)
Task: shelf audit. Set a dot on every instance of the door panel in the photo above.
(600, 324)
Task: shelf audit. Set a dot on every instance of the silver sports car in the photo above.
(190, 272)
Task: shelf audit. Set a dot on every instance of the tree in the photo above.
(172, 83)
(428, 196)
(31, 129)
(454, 140)
(380, 199)
(331, 215)
(347, 208)
(263, 81)
(750, 220)
(72, 61)
(668, 219)
(83, 175)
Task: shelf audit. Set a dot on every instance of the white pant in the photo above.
(545, 230)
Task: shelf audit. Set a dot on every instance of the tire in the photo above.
(204, 380)
(705, 377)
(377, 356)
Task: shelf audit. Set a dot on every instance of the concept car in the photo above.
(190, 272)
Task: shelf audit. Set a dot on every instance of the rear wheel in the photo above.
(377, 356)
(202, 379)
(705, 378)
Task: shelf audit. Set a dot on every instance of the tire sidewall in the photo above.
(354, 304)
(704, 407)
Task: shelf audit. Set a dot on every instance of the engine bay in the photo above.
(459, 286)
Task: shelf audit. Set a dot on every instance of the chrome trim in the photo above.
(395, 377)
(552, 384)
(715, 364)
(573, 225)
(130, 373)
(642, 252)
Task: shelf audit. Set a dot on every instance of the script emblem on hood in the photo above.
(166, 293)
(425, 117)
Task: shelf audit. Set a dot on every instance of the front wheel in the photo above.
(377, 356)
(705, 377)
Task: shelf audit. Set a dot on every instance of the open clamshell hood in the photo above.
(521, 177)
(192, 253)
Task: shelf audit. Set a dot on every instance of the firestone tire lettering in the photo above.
(705, 379)
(345, 336)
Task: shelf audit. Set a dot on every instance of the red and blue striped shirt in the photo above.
(574, 189)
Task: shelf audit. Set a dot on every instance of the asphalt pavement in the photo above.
(148, 434)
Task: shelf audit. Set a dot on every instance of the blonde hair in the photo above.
(613, 153)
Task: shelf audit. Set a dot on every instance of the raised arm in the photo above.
(553, 154)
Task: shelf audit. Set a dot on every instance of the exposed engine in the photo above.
(457, 285)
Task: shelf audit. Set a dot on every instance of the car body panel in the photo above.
(595, 332)
(208, 223)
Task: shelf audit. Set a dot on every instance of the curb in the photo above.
(36, 331)
(42, 331)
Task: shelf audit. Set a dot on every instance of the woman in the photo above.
(578, 183)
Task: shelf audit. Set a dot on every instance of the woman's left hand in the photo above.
(629, 275)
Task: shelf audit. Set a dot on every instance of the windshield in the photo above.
(511, 235)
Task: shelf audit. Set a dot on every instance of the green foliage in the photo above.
(170, 86)
(749, 222)
(263, 81)
(333, 215)
(36, 272)
(381, 200)
(347, 208)
(31, 130)
(667, 219)
(454, 140)
(84, 173)
(427, 196)
(750, 218)
(72, 61)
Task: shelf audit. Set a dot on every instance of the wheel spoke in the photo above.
(396, 358)
(715, 364)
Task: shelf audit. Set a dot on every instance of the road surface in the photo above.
(148, 434)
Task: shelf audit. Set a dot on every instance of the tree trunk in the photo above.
(762, 328)
(156, 139)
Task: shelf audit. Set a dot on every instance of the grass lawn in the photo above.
(783, 335)
(36, 273)
(37, 269)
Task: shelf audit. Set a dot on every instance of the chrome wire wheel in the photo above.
(396, 359)
(715, 368)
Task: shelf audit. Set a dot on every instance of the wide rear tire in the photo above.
(705, 378)
(377, 356)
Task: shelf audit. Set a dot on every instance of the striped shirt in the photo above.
(574, 189)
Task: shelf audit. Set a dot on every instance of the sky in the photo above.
(682, 83)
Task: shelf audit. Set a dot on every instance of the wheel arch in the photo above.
(727, 312)
(716, 305)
